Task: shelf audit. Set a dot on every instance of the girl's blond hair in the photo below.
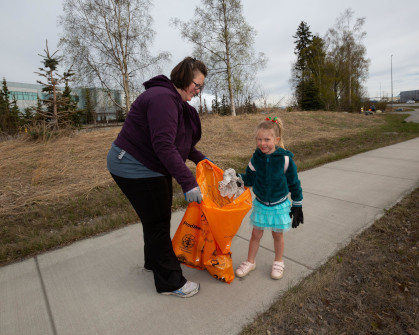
(274, 124)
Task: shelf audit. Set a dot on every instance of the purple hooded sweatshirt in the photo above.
(161, 131)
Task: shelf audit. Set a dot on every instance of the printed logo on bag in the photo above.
(204, 218)
(214, 262)
(188, 241)
(191, 225)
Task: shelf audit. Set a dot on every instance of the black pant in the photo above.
(152, 200)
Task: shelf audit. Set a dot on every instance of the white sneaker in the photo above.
(245, 268)
(186, 291)
(277, 270)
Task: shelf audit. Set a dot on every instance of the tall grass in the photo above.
(81, 212)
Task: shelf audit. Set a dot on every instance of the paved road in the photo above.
(414, 115)
(97, 286)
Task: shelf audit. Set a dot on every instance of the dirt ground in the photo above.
(369, 287)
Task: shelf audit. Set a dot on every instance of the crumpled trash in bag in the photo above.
(231, 185)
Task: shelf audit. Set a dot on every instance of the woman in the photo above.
(158, 135)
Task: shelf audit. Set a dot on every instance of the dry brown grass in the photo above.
(56, 192)
(226, 137)
(46, 172)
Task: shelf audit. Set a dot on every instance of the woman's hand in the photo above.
(194, 195)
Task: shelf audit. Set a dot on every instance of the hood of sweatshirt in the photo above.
(161, 81)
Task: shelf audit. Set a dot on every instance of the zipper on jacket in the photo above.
(268, 174)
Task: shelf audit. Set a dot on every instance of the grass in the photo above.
(370, 287)
(56, 192)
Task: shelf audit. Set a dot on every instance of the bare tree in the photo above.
(224, 41)
(107, 42)
(347, 54)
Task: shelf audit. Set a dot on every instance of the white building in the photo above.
(26, 95)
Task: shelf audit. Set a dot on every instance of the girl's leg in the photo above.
(250, 264)
(278, 245)
(254, 244)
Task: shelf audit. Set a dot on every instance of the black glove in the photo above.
(297, 216)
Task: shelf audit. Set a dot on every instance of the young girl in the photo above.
(273, 174)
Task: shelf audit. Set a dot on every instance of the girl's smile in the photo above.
(266, 141)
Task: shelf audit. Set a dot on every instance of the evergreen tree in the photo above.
(303, 41)
(26, 117)
(301, 73)
(58, 106)
(9, 111)
(14, 118)
(310, 99)
(225, 106)
(90, 115)
(4, 107)
(308, 69)
(215, 106)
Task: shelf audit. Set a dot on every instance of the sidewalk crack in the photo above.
(44, 291)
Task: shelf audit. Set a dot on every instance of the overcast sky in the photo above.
(392, 28)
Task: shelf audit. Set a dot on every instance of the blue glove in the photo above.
(194, 195)
(209, 160)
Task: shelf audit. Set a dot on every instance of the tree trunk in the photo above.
(54, 103)
(230, 88)
(127, 94)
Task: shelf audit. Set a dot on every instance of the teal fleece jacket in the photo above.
(270, 184)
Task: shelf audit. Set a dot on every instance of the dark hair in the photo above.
(183, 73)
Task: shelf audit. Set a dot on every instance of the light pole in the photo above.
(391, 83)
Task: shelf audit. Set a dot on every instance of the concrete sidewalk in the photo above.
(97, 286)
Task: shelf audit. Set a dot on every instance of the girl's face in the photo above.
(266, 141)
(194, 87)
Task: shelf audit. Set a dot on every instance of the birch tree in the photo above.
(348, 56)
(224, 42)
(107, 42)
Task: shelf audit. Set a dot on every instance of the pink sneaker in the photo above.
(277, 270)
(245, 268)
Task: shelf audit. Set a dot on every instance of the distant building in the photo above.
(26, 95)
(409, 95)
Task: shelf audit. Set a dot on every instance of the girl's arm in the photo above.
(294, 184)
(249, 176)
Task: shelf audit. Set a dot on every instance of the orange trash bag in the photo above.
(188, 241)
(219, 265)
(224, 215)
(203, 238)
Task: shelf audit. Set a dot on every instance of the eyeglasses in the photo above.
(198, 87)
